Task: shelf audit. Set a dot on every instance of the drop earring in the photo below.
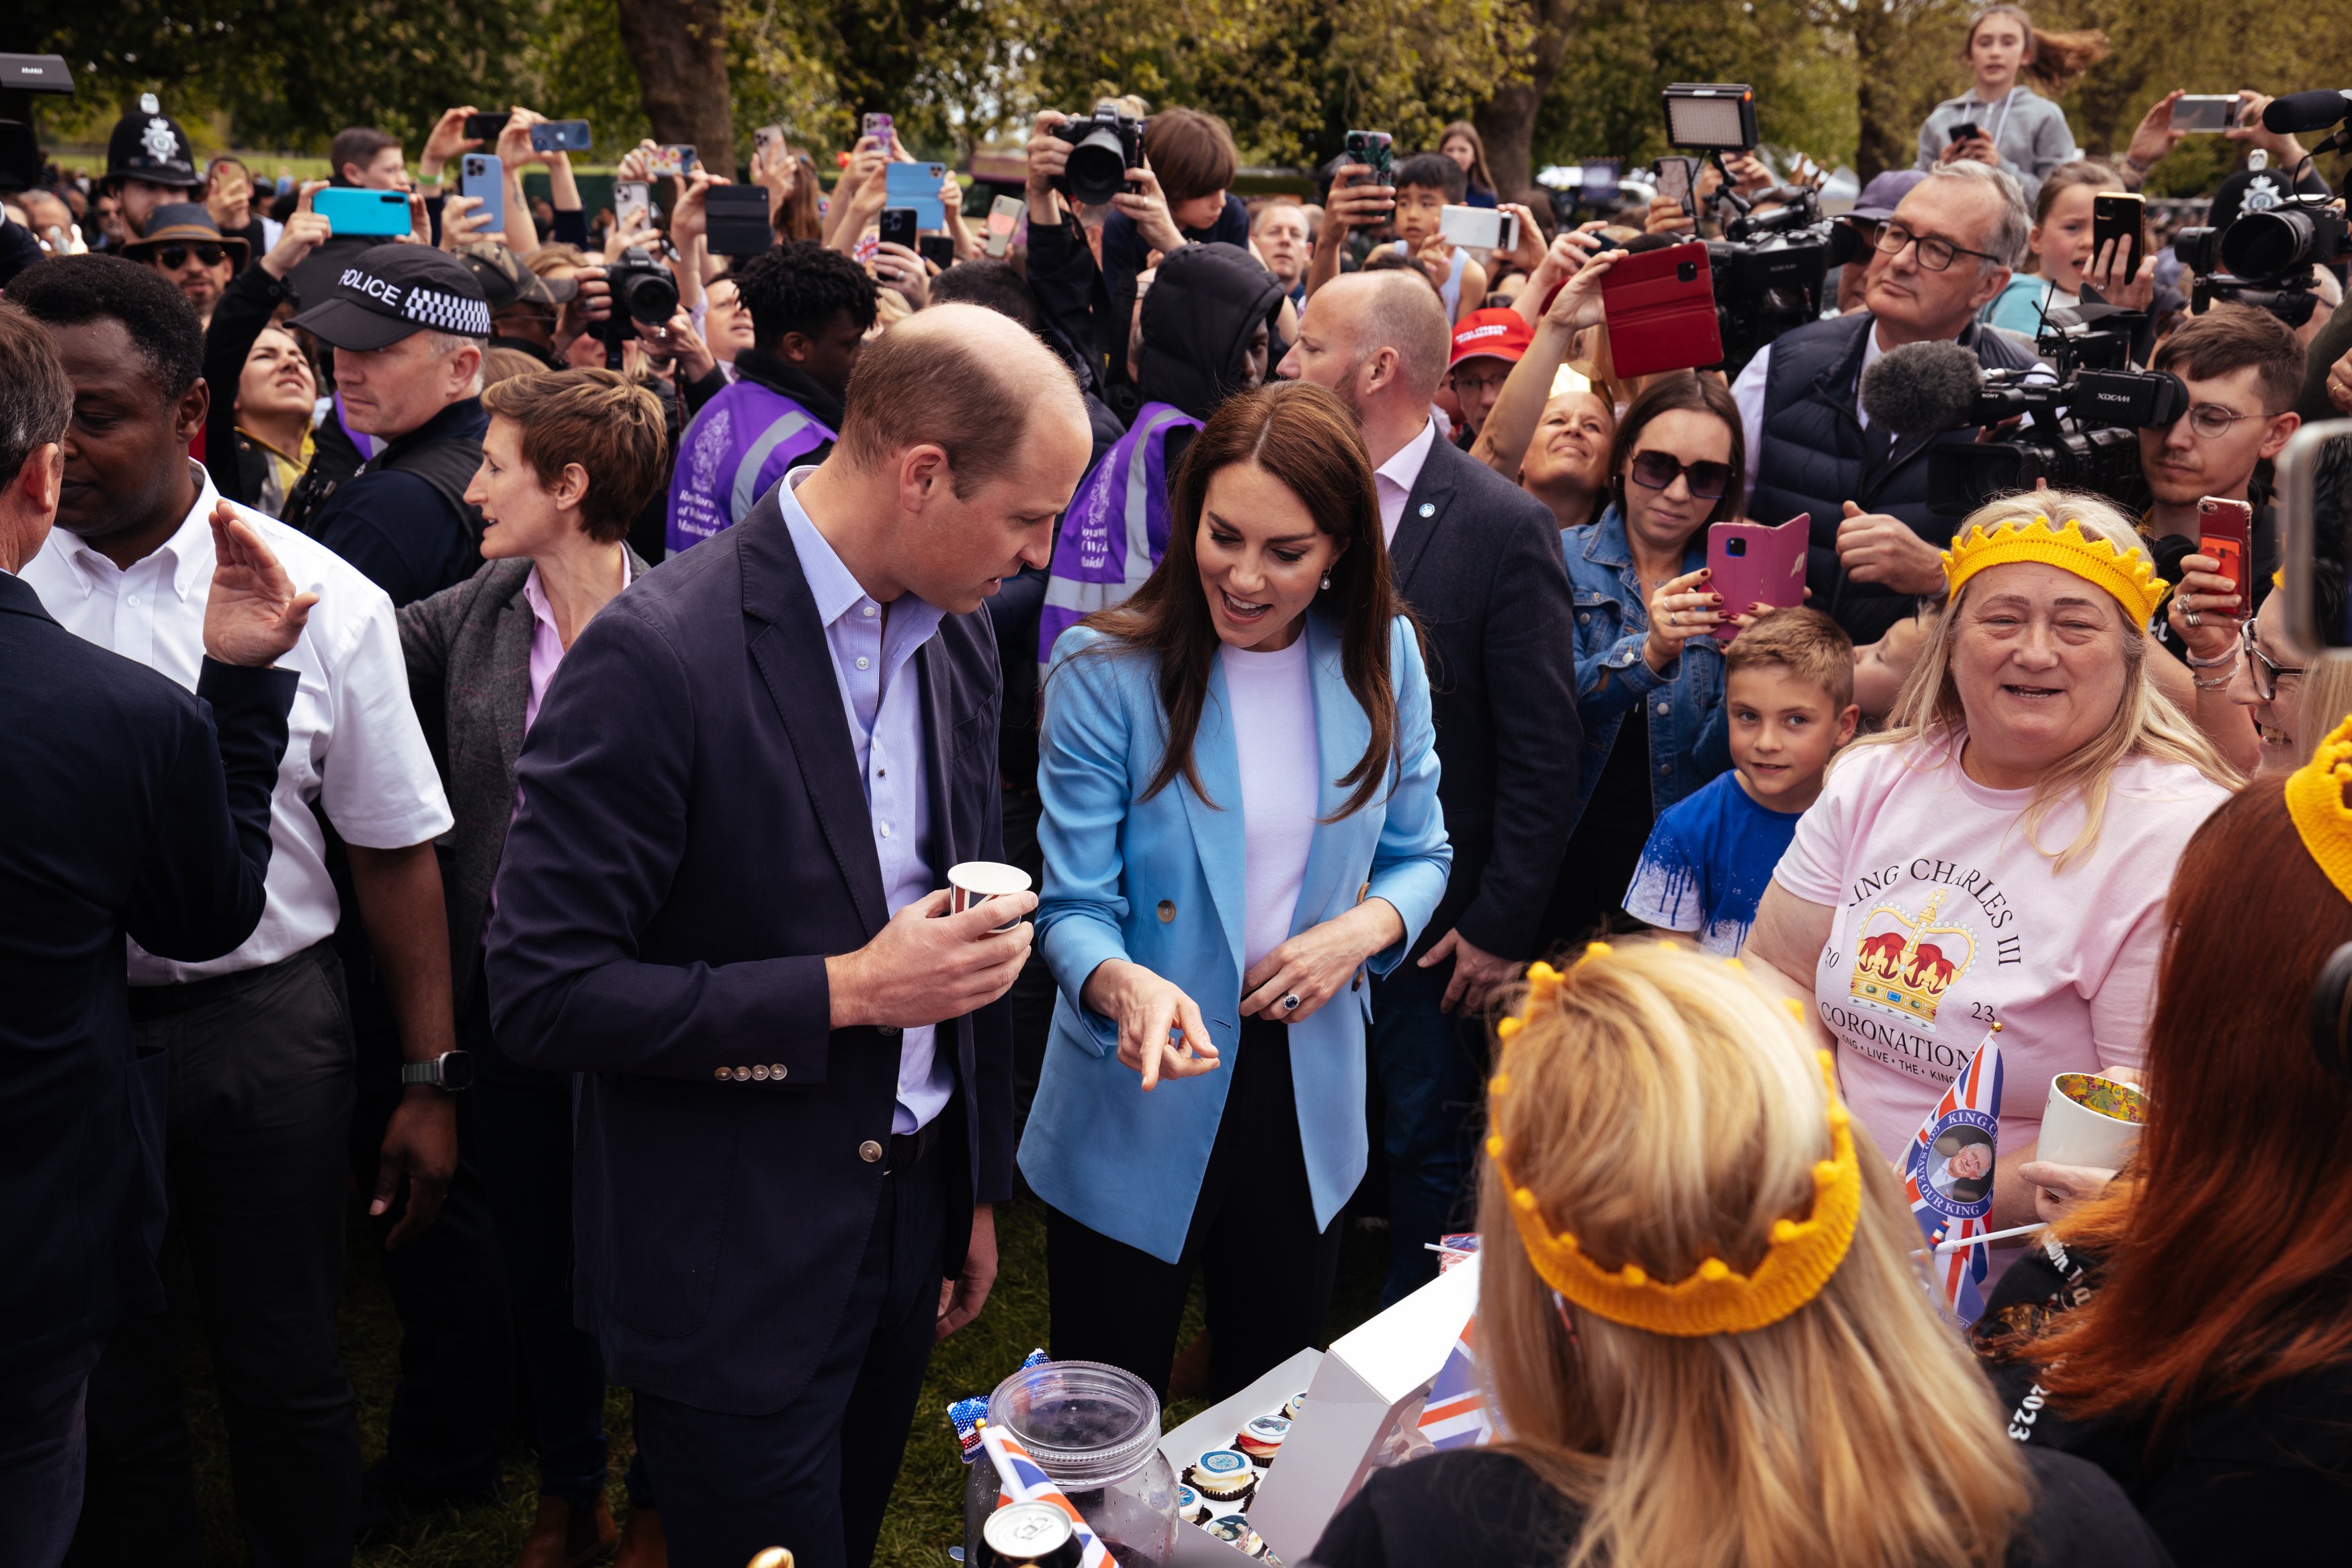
(1327, 581)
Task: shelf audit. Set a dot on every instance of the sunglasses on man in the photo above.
(176, 257)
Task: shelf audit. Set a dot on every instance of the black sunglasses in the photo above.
(176, 257)
(1657, 470)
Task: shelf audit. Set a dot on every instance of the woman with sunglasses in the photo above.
(1649, 671)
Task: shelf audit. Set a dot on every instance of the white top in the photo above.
(882, 705)
(1273, 696)
(1394, 479)
(1947, 919)
(352, 746)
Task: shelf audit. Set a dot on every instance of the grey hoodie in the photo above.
(2028, 131)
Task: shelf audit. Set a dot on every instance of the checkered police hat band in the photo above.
(447, 312)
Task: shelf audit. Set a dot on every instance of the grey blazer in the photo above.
(468, 652)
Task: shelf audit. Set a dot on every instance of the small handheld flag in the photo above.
(1947, 1177)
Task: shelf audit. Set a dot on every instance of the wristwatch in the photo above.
(452, 1070)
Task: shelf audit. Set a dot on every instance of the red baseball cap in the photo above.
(1500, 334)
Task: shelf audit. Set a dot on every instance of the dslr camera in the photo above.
(643, 291)
(1103, 147)
(2263, 258)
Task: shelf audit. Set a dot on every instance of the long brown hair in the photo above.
(1480, 175)
(798, 218)
(1300, 435)
(2236, 1272)
(1664, 1111)
(2053, 61)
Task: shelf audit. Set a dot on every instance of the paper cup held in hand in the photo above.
(977, 882)
(2091, 1121)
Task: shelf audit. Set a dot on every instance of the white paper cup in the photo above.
(977, 882)
(2091, 1121)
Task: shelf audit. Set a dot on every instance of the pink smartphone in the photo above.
(1757, 563)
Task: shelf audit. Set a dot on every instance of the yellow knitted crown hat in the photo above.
(2314, 798)
(2125, 574)
(1714, 1298)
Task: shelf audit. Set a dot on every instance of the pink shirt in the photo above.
(1947, 918)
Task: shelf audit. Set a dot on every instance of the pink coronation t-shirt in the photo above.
(1947, 918)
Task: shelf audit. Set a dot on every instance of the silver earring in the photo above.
(1327, 580)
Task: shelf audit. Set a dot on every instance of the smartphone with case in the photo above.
(482, 128)
(1004, 223)
(673, 162)
(350, 210)
(768, 139)
(483, 177)
(2225, 530)
(879, 128)
(1376, 149)
(1478, 228)
(2204, 111)
(917, 186)
(736, 220)
(562, 136)
(1660, 305)
(1757, 563)
(2116, 218)
(629, 196)
(937, 249)
(1678, 183)
(899, 226)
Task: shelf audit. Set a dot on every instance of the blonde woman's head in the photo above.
(2045, 672)
(1663, 1110)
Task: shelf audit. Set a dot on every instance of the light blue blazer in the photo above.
(1160, 883)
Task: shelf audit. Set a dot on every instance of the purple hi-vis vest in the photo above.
(742, 442)
(1116, 529)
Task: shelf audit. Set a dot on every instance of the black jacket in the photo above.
(132, 808)
(1479, 561)
(1205, 303)
(1817, 457)
(244, 309)
(403, 518)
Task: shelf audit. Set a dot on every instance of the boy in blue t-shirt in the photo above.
(1788, 697)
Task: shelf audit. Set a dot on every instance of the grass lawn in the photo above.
(926, 1512)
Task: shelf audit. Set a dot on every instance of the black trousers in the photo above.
(42, 1455)
(260, 1110)
(816, 1475)
(1267, 1269)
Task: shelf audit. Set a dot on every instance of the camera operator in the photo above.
(407, 324)
(1945, 253)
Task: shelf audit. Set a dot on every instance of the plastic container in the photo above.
(1094, 1429)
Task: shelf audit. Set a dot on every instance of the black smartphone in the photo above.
(937, 249)
(1965, 129)
(561, 136)
(486, 127)
(736, 220)
(2115, 220)
(899, 226)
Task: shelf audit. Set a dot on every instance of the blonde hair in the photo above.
(1666, 1112)
(2145, 723)
(1802, 640)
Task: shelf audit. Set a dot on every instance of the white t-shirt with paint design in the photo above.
(1947, 918)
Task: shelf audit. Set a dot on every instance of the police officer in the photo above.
(408, 325)
(148, 164)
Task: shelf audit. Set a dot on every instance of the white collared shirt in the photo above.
(353, 744)
(882, 702)
(1395, 478)
(1747, 392)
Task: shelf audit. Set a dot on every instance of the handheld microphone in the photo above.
(1922, 388)
(2299, 111)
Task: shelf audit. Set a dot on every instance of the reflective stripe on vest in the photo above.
(745, 492)
(1090, 570)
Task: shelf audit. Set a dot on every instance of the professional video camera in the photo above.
(643, 291)
(2077, 428)
(1103, 147)
(2263, 258)
(1770, 268)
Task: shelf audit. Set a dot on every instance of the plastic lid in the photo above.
(1085, 1424)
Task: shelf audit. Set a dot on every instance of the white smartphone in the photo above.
(1479, 228)
(1003, 219)
(631, 196)
(2205, 111)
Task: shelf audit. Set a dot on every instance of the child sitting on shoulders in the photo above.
(1788, 699)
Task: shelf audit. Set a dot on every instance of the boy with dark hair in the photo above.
(1426, 184)
(1789, 695)
(1192, 157)
(811, 309)
(356, 157)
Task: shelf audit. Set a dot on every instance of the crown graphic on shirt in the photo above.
(1906, 963)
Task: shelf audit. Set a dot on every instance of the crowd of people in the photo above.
(539, 674)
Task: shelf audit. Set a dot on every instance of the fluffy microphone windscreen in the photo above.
(1920, 388)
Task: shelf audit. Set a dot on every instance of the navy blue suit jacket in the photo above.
(694, 841)
(121, 810)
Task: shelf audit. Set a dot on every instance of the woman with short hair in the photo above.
(2000, 853)
(1700, 1324)
(1239, 789)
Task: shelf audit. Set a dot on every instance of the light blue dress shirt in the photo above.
(882, 700)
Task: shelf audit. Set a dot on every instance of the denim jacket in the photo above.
(1689, 743)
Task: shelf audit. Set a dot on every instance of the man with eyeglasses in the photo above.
(1947, 250)
(186, 246)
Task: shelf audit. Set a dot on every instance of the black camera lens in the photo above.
(1097, 170)
(2197, 247)
(2269, 244)
(648, 297)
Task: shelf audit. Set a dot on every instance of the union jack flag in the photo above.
(1950, 1193)
(1455, 1416)
(1020, 1479)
